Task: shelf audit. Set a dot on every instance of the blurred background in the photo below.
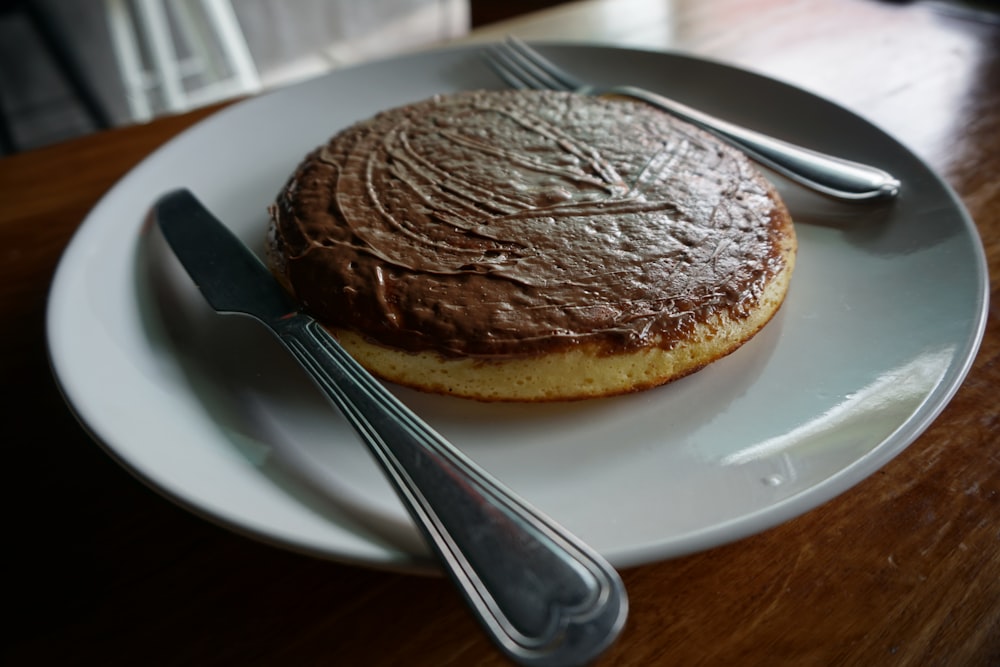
(69, 67)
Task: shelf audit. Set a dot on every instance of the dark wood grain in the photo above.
(903, 569)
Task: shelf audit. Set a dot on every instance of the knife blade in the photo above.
(230, 277)
(541, 594)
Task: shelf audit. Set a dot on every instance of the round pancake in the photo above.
(532, 245)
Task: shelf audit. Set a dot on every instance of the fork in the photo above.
(521, 67)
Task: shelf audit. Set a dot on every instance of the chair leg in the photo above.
(152, 17)
(223, 19)
(51, 33)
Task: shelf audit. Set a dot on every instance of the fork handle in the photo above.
(833, 176)
(542, 595)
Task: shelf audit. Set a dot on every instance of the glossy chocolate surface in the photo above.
(508, 223)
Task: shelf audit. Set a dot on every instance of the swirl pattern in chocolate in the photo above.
(498, 224)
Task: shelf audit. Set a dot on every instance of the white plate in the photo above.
(885, 313)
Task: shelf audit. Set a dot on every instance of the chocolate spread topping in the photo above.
(493, 224)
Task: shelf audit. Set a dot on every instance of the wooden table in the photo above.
(904, 569)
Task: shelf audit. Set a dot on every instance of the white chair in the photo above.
(175, 55)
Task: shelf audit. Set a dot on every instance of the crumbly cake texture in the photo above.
(532, 245)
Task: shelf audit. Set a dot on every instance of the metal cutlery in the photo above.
(522, 67)
(542, 595)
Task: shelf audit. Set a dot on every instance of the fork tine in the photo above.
(566, 80)
(507, 70)
(519, 71)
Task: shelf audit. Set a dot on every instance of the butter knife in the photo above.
(540, 593)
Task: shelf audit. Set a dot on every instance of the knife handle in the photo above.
(542, 595)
